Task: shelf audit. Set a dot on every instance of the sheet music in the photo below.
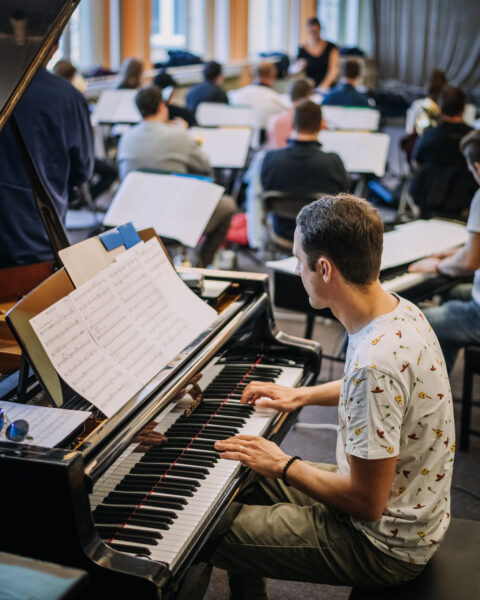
(178, 315)
(79, 361)
(116, 106)
(111, 324)
(47, 426)
(225, 147)
(360, 152)
(177, 207)
(214, 114)
(341, 117)
(415, 240)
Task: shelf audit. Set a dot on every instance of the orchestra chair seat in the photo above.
(472, 367)
(282, 204)
(452, 574)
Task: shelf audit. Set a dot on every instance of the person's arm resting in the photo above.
(462, 261)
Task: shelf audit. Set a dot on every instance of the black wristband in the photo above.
(286, 467)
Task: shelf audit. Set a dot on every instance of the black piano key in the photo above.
(130, 548)
(183, 473)
(124, 512)
(107, 532)
(134, 499)
(153, 467)
(151, 480)
(126, 536)
(160, 488)
(185, 458)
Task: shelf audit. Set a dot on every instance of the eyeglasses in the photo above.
(15, 431)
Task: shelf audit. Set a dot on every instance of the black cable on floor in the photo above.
(465, 491)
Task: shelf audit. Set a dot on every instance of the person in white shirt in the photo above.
(378, 516)
(260, 95)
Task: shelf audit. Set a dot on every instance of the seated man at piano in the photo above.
(377, 517)
(155, 144)
(457, 321)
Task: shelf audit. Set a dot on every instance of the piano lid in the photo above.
(28, 30)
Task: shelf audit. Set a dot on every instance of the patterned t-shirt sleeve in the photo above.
(374, 406)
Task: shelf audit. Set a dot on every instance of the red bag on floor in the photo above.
(237, 234)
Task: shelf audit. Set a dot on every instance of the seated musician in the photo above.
(346, 94)
(159, 145)
(457, 321)
(443, 183)
(377, 517)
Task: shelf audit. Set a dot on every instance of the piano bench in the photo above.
(453, 573)
(472, 367)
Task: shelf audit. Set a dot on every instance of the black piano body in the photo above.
(45, 501)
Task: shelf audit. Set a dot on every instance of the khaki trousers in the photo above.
(278, 532)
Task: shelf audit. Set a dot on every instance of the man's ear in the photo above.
(477, 167)
(324, 269)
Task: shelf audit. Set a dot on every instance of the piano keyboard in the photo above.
(405, 281)
(153, 503)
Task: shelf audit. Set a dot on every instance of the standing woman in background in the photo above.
(319, 57)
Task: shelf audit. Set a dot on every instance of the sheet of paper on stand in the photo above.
(405, 244)
(116, 106)
(47, 426)
(341, 117)
(108, 338)
(213, 114)
(360, 152)
(225, 147)
(101, 304)
(78, 359)
(421, 238)
(176, 207)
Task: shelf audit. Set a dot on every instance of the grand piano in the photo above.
(134, 514)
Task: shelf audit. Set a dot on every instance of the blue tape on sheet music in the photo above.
(111, 239)
(191, 176)
(129, 235)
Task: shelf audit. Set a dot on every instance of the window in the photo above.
(267, 26)
(329, 17)
(169, 27)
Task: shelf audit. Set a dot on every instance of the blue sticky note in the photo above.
(111, 239)
(129, 235)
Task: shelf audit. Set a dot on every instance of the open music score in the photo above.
(111, 335)
(177, 207)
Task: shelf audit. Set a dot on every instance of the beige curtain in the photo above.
(412, 37)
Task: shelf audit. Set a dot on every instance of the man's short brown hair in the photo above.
(300, 88)
(266, 70)
(148, 99)
(347, 230)
(307, 117)
(351, 68)
(451, 101)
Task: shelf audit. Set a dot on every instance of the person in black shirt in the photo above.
(318, 57)
(345, 94)
(443, 183)
(302, 167)
(209, 90)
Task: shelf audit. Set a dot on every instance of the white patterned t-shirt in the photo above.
(395, 400)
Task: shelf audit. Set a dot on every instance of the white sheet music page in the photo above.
(415, 240)
(79, 361)
(180, 315)
(360, 152)
(177, 207)
(111, 325)
(116, 106)
(47, 426)
(225, 147)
